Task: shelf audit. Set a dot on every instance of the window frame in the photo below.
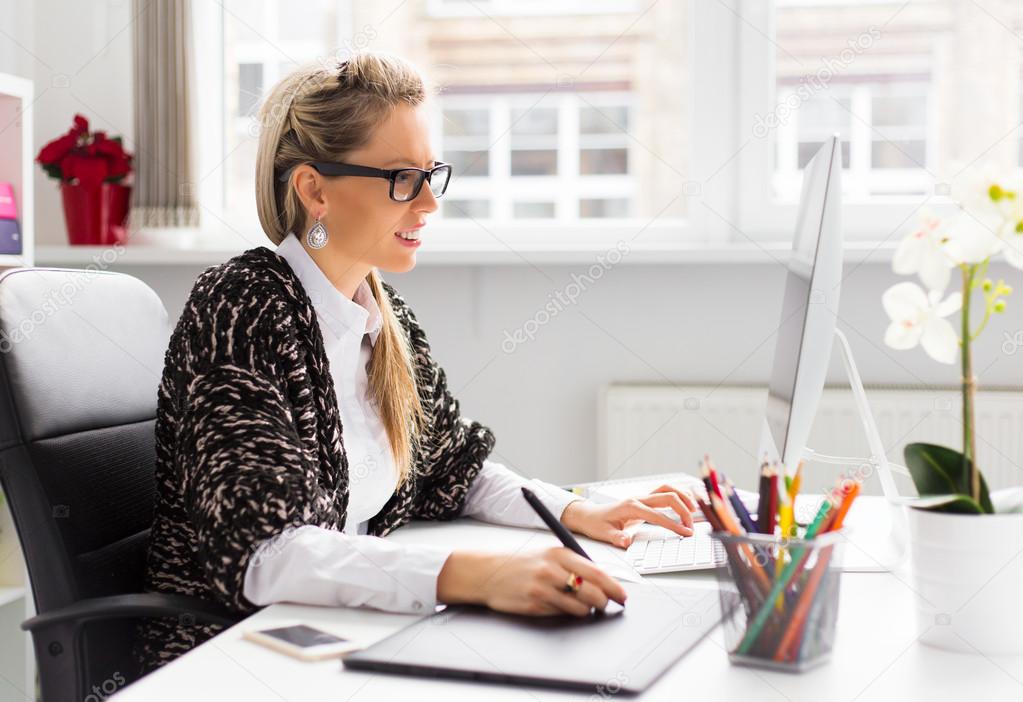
(730, 79)
(759, 213)
(566, 187)
(700, 227)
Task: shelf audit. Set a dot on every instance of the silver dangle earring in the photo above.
(316, 237)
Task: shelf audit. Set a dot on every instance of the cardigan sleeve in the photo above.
(453, 446)
(244, 474)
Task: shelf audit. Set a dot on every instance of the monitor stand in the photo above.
(891, 552)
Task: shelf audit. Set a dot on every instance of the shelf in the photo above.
(11, 594)
(16, 166)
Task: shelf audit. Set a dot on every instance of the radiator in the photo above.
(647, 429)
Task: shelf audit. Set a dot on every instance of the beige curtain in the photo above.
(164, 194)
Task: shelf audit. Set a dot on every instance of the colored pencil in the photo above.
(749, 591)
(759, 575)
(772, 511)
(796, 480)
(740, 508)
(713, 476)
(757, 624)
(797, 619)
(762, 500)
(705, 476)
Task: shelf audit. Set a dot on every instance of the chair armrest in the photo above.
(148, 604)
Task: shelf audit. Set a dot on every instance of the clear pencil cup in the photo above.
(779, 598)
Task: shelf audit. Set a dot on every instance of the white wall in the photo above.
(80, 59)
(639, 323)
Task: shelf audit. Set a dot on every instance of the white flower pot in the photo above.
(968, 577)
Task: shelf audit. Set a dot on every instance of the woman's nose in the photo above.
(425, 201)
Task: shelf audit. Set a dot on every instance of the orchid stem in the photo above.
(969, 385)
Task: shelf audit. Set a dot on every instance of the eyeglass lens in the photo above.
(408, 182)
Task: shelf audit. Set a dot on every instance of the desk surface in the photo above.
(876, 654)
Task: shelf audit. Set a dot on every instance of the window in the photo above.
(569, 121)
(467, 140)
(263, 40)
(542, 129)
(559, 151)
(920, 92)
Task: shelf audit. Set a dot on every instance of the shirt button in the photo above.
(417, 605)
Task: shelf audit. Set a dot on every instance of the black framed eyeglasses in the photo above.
(405, 182)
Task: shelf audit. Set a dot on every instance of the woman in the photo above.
(301, 416)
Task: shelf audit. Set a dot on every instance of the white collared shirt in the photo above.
(312, 565)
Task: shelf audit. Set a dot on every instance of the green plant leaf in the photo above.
(939, 470)
(955, 504)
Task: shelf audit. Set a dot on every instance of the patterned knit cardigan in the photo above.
(249, 440)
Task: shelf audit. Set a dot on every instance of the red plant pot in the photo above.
(96, 216)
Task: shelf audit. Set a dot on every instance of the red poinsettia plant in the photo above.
(84, 157)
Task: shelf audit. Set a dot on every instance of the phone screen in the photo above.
(303, 636)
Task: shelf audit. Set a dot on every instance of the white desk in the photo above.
(876, 655)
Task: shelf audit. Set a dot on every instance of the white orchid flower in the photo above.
(997, 202)
(1013, 239)
(919, 318)
(923, 252)
(973, 237)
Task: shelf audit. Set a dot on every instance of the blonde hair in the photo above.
(321, 113)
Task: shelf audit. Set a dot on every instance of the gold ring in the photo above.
(573, 583)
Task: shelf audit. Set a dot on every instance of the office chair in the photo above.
(81, 356)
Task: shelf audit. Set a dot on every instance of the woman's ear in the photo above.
(309, 186)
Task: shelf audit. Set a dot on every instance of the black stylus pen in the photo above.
(556, 526)
(563, 534)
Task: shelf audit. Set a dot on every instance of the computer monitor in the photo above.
(802, 351)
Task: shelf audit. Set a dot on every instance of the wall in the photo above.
(638, 323)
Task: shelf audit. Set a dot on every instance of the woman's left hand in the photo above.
(607, 522)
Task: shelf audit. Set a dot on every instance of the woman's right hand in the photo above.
(527, 583)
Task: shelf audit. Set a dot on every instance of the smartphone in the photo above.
(302, 641)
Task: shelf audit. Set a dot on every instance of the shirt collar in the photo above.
(344, 317)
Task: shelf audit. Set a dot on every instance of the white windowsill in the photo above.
(103, 257)
(186, 247)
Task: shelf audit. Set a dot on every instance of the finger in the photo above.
(654, 517)
(685, 495)
(567, 602)
(588, 592)
(573, 562)
(617, 537)
(669, 499)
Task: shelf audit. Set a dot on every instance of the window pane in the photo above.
(808, 149)
(250, 87)
(500, 116)
(466, 123)
(259, 49)
(536, 120)
(612, 119)
(892, 154)
(603, 161)
(533, 210)
(589, 127)
(607, 207)
(881, 75)
(533, 163)
(468, 163)
(895, 110)
(463, 209)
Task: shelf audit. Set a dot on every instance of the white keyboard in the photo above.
(614, 490)
(661, 551)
